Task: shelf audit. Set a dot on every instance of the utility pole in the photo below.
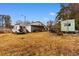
(24, 17)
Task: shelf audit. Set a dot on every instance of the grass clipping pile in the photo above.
(38, 44)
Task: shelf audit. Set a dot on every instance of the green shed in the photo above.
(68, 25)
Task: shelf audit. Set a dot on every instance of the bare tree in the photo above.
(7, 20)
(50, 24)
(20, 22)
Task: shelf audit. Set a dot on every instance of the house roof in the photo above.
(38, 25)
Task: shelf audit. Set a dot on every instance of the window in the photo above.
(67, 24)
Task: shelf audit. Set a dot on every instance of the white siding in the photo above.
(15, 28)
(28, 28)
(31, 28)
(36, 23)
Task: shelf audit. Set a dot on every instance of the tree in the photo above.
(1, 20)
(20, 22)
(75, 13)
(7, 20)
(71, 11)
(50, 24)
(64, 13)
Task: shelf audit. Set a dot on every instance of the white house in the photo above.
(33, 27)
(68, 25)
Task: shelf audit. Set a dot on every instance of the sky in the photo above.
(33, 11)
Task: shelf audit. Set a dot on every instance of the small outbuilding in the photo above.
(33, 27)
(68, 25)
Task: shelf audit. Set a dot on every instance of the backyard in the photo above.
(39, 44)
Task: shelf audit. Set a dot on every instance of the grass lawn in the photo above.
(38, 44)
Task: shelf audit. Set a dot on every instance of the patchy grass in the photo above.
(38, 44)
